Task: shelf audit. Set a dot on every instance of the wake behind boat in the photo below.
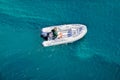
(62, 34)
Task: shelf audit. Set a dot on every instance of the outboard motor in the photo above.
(44, 35)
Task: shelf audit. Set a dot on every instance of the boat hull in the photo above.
(71, 33)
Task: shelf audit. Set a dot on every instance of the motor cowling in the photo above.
(44, 35)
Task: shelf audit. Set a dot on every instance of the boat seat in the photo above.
(69, 33)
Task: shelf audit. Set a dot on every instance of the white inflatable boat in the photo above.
(66, 34)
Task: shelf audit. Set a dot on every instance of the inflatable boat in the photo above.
(62, 34)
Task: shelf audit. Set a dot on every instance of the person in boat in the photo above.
(52, 35)
(55, 32)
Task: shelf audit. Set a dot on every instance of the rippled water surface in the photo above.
(95, 57)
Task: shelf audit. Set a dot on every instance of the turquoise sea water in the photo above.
(95, 57)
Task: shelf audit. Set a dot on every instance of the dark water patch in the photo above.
(2, 77)
(15, 70)
(110, 68)
(17, 24)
